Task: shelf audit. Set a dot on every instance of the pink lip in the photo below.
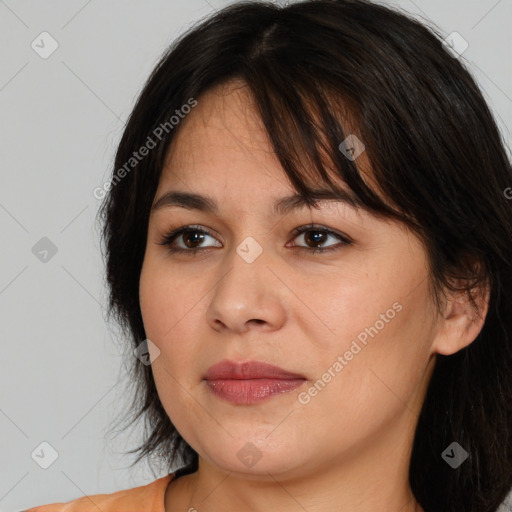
(248, 370)
(249, 382)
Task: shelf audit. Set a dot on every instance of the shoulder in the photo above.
(149, 497)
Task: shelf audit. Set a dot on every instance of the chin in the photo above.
(253, 456)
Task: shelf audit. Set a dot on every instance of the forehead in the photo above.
(222, 148)
(222, 135)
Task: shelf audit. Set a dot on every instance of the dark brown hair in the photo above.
(438, 161)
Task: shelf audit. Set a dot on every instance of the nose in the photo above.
(247, 296)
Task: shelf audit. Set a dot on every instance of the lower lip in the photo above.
(251, 391)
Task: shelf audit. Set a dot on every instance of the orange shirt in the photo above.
(146, 498)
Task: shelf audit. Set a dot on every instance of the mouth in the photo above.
(249, 382)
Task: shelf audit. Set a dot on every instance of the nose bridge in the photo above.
(247, 291)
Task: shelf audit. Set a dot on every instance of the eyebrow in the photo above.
(282, 206)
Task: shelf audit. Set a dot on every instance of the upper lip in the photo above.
(247, 370)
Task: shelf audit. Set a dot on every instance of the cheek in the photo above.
(170, 320)
(150, 299)
(164, 311)
(373, 360)
(378, 363)
(163, 304)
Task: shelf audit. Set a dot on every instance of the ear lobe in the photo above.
(462, 321)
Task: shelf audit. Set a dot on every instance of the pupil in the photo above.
(198, 237)
(316, 239)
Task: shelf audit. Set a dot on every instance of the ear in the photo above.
(462, 320)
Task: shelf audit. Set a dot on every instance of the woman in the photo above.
(308, 243)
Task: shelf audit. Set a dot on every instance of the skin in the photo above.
(348, 448)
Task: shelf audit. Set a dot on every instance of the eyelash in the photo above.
(169, 238)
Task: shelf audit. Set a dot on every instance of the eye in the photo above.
(193, 235)
(313, 234)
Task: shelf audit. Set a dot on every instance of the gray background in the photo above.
(62, 378)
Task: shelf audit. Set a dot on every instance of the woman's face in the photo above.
(357, 322)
